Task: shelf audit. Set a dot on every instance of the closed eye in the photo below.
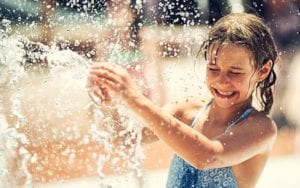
(213, 69)
(236, 73)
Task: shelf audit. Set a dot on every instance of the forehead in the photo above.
(230, 54)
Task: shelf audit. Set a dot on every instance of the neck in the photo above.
(227, 115)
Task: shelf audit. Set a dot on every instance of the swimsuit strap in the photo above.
(199, 113)
(240, 118)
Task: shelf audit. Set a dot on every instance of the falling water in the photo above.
(27, 65)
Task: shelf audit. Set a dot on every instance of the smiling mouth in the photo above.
(224, 95)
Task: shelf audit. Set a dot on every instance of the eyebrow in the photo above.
(236, 68)
(232, 67)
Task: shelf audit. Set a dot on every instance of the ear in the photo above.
(265, 70)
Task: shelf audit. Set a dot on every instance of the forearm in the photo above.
(184, 140)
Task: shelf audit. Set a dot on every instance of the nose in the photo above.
(223, 79)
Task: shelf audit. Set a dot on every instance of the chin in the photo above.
(224, 105)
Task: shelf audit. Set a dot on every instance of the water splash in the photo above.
(122, 144)
(11, 140)
(22, 63)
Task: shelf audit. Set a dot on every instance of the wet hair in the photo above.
(251, 32)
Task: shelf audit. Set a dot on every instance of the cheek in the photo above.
(210, 77)
(240, 82)
(245, 84)
(241, 79)
(208, 80)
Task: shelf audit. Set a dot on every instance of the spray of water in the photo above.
(23, 62)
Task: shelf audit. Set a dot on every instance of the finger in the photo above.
(102, 67)
(98, 92)
(118, 89)
(104, 83)
(105, 93)
(91, 80)
(114, 69)
(95, 98)
(111, 67)
(99, 73)
(105, 65)
(109, 84)
(99, 95)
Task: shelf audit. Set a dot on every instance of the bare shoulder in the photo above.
(261, 127)
(263, 122)
(254, 136)
(185, 109)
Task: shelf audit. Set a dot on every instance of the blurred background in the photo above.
(157, 41)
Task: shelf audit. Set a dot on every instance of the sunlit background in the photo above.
(53, 135)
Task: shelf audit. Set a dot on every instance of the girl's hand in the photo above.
(97, 92)
(106, 78)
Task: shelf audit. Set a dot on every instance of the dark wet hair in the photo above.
(251, 32)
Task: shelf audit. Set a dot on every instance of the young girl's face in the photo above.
(230, 75)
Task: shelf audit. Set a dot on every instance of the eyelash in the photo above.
(235, 73)
(213, 69)
(232, 73)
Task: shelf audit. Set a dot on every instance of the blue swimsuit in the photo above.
(183, 175)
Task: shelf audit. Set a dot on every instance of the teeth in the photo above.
(225, 93)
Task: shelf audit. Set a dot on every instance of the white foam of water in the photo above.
(18, 52)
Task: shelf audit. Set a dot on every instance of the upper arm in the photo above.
(182, 111)
(148, 135)
(252, 137)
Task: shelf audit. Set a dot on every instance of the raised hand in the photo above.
(107, 78)
(97, 92)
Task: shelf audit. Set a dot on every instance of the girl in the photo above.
(227, 142)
